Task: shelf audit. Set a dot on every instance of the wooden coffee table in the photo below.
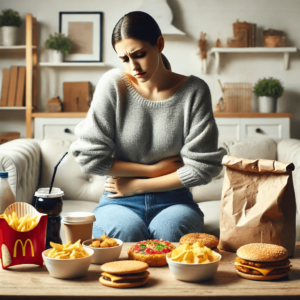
(33, 282)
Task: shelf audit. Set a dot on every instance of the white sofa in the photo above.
(30, 164)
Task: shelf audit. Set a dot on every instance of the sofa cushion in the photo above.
(75, 184)
(211, 210)
(252, 148)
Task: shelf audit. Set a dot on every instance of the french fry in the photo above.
(67, 251)
(57, 247)
(23, 224)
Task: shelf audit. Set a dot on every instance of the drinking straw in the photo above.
(55, 168)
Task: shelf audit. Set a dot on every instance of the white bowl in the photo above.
(104, 255)
(68, 268)
(193, 272)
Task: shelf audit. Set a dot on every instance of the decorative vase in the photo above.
(10, 35)
(267, 104)
(57, 56)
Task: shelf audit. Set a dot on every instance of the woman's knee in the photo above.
(174, 222)
(119, 222)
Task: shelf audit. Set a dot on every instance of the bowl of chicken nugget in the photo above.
(106, 249)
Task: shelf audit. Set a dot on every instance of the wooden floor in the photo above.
(32, 282)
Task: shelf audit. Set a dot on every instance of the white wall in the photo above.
(214, 17)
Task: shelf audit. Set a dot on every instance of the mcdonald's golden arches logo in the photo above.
(23, 247)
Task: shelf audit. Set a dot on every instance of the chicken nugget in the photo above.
(95, 244)
(111, 242)
(104, 244)
(104, 237)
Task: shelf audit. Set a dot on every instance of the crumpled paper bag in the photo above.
(258, 204)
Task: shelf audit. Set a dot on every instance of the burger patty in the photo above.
(262, 264)
(255, 272)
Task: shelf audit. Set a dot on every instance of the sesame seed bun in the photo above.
(207, 240)
(262, 252)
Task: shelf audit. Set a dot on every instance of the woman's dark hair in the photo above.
(138, 25)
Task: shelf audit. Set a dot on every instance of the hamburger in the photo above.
(209, 241)
(262, 262)
(124, 274)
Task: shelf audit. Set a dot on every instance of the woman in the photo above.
(153, 132)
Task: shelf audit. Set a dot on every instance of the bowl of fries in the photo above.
(105, 249)
(67, 260)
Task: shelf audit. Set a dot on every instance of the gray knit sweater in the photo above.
(121, 124)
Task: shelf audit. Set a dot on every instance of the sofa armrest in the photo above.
(21, 158)
(289, 151)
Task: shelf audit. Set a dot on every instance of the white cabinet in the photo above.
(55, 128)
(241, 128)
(235, 128)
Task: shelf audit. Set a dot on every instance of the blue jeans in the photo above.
(165, 215)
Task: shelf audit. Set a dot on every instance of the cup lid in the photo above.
(80, 216)
(44, 193)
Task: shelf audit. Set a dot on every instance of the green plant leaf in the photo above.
(270, 87)
(59, 42)
(10, 18)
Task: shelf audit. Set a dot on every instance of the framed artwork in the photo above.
(84, 29)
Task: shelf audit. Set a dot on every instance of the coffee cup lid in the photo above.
(76, 217)
(44, 193)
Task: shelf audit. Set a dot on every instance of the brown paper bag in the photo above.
(258, 204)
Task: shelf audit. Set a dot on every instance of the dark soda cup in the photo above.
(50, 204)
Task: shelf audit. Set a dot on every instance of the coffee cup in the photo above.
(78, 225)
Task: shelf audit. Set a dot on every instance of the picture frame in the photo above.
(86, 47)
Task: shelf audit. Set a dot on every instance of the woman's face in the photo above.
(140, 58)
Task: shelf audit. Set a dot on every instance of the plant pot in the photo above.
(267, 104)
(10, 35)
(57, 56)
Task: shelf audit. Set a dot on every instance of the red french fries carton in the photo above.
(25, 247)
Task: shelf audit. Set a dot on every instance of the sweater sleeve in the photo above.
(201, 156)
(95, 144)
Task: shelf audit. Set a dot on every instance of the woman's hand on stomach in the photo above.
(166, 166)
(122, 186)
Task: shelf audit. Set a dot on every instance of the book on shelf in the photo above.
(245, 35)
(12, 91)
(5, 87)
(13, 87)
(20, 97)
(254, 35)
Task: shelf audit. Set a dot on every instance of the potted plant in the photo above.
(60, 44)
(268, 90)
(10, 23)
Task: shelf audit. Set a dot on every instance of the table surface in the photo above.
(28, 281)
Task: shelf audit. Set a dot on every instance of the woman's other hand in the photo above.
(166, 166)
(121, 186)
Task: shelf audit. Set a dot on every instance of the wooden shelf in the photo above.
(283, 50)
(251, 115)
(15, 47)
(69, 64)
(12, 107)
(59, 115)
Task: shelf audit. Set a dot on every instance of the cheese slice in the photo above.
(115, 278)
(263, 271)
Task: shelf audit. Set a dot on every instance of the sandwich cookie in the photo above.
(208, 240)
(124, 274)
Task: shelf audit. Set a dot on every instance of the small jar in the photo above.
(50, 204)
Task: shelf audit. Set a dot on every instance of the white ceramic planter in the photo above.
(9, 35)
(57, 56)
(267, 104)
